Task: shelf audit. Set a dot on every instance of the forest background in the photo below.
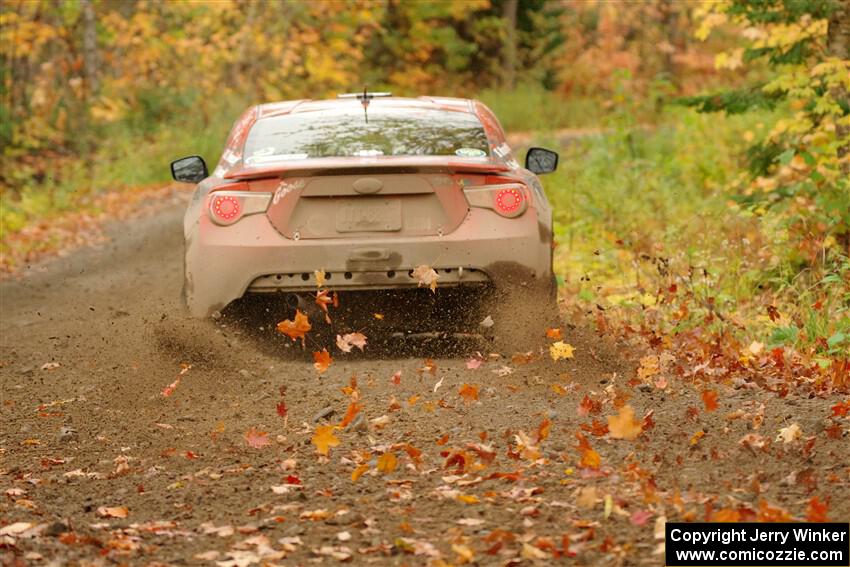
(703, 196)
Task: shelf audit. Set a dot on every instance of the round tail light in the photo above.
(226, 208)
(510, 201)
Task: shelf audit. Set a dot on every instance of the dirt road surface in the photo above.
(99, 467)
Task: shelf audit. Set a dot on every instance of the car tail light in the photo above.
(227, 207)
(509, 200)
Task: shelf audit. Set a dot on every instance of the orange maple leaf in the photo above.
(726, 515)
(543, 430)
(323, 299)
(322, 360)
(624, 425)
(709, 398)
(324, 439)
(468, 392)
(589, 457)
(256, 439)
(816, 510)
(296, 329)
(353, 409)
(554, 333)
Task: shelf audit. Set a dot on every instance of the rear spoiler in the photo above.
(353, 166)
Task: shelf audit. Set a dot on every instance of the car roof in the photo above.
(422, 102)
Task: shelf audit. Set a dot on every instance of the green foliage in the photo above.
(732, 102)
(639, 211)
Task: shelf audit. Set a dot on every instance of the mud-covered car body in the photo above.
(365, 190)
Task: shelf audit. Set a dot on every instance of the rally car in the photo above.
(365, 191)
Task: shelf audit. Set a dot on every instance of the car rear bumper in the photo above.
(224, 263)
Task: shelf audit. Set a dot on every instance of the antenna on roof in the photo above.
(365, 98)
(365, 102)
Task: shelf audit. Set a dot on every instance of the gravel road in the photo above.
(442, 463)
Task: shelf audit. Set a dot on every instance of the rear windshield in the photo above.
(345, 133)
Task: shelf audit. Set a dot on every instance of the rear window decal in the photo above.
(470, 152)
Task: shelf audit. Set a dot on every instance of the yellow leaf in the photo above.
(387, 463)
(324, 439)
(464, 553)
(624, 425)
(320, 277)
(561, 350)
(468, 498)
(358, 472)
(531, 552)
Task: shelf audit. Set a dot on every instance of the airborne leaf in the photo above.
(426, 276)
(324, 439)
(322, 360)
(296, 329)
(624, 425)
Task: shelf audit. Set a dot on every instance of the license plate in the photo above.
(365, 214)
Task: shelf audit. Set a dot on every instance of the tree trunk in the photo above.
(838, 45)
(90, 69)
(509, 56)
(89, 46)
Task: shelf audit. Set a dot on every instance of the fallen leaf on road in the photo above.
(709, 399)
(468, 392)
(473, 363)
(561, 350)
(587, 497)
(50, 365)
(113, 511)
(487, 322)
(464, 553)
(358, 472)
(816, 510)
(387, 463)
(438, 384)
(554, 333)
(256, 439)
(589, 457)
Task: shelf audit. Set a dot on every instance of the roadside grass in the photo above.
(648, 231)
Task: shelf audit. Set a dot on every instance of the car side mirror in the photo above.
(541, 160)
(191, 169)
